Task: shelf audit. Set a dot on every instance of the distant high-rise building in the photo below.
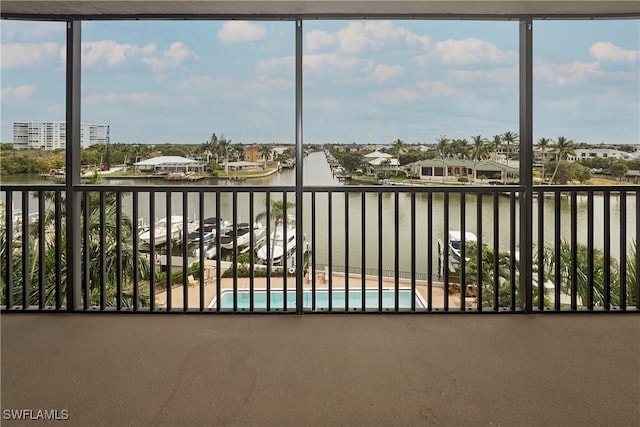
(53, 135)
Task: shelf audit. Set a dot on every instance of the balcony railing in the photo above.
(362, 249)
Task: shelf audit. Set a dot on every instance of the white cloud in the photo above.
(142, 98)
(423, 89)
(327, 63)
(466, 51)
(400, 95)
(383, 72)
(177, 54)
(563, 74)
(26, 55)
(436, 88)
(18, 92)
(318, 39)
(194, 82)
(30, 31)
(267, 84)
(503, 75)
(607, 51)
(286, 63)
(111, 52)
(240, 32)
(358, 36)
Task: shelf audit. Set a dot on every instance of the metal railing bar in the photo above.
(103, 251)
(201, 248)
(463, 251)
(346, 251)
(574, 251)
(185, 261)
(396, 252)
(218, 232)
(169, 251)
(479, 282)
(590, 251)
(86, 291)
(9, 253)
(637, 263)
(136, 265)
(285, 254)
(58, 248)
(512, 249)
(541, 252)
(557, 246)
(314, 244)
(268, 251)
(363, 240)
(413, 251)
(25, 250)
(496, 250)
(41, 250)
(607, 249)
(119, 270)
(623, 249)
(445, 252)
(430, 252)
(252, 248)
(234, 246)
(380, 213)
(330, 247)
(152, 251)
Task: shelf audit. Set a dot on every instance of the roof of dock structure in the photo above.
(166, 161)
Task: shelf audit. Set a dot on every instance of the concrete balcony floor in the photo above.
(317, 370)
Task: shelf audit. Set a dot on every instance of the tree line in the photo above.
(480, 148)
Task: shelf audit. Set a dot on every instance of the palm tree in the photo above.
(93, 248)
(565, 147)
(479, 151)
(510, 138)
(494, 144)
(223, 151)
(489, 275)
(265, 151)
(277, 212)
(397, 147)
(443, 148)
(543, 144)
(582, 276)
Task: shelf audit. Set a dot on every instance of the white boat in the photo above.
(210, 251)
(242, 235)
(454, 247)
(277, 245)
(165, 230)
(455, 243)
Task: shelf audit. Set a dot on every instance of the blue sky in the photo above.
(364, 81)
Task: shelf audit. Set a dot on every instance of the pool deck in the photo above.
(338, 282)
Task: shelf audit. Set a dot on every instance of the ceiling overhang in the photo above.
(309, 9)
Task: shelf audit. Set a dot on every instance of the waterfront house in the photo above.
(169, 164)
(456, 168)
(253, 153)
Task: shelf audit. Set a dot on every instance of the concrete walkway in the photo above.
(323, 370)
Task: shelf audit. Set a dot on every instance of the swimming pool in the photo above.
(322, 299)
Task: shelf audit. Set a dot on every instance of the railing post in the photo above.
(526, 164)
(72, 174)
(299, 183)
